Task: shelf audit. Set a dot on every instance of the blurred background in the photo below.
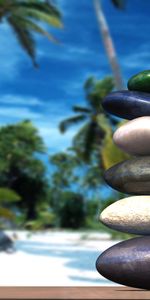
(58, 60)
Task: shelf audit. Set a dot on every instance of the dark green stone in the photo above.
(140, 82)
(130, 176)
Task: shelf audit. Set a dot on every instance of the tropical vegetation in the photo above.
(70, 196)
(26, 17)
(94, 139)
(20, 168)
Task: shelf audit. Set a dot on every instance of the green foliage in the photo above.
(72, 211)
(92, 208)
(91, 134)
(18, 143)
(92, 213)
(71, 174)
(8, 196)
(64, 160)
(96, 90)
(25, 18)
(20, 168)
(20, 219)
(63, 178)
(44, 220)
(64, 125)
(94, 148)
(92, 177)
(64, 174)
(6, 214)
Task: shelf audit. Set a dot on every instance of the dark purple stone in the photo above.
(127, 263)
(127, 104)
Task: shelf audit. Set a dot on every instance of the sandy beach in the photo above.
(54, 258)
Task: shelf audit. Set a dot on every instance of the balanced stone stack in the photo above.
(128, 262)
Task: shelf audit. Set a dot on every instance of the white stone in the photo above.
(131, 215)
(134, 136)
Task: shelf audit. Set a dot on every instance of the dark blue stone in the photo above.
(127, 104)
(127, 263)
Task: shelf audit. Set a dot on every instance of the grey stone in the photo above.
(130, 176)
(6, 243)
(127, 263)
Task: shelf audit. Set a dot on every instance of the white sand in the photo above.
(56, 258)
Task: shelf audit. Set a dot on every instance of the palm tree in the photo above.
(107, 39)
(95, 123)
(24, 17)
(7, 196)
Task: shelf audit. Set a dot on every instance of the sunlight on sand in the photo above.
(54, 259)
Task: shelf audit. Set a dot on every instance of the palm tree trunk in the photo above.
(108, 43)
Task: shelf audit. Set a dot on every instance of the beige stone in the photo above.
(134, 136)
(131, 215)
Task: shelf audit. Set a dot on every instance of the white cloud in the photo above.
(68, 53)
(20, 100)
(138, 59)
(12, 113)
(79, 50)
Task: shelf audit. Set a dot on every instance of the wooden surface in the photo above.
(72, 293)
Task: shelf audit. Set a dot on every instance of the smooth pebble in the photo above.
(130, 215)
(134, 136)
(131, 176)
(140, 82)
(127, 263)
(127, 104)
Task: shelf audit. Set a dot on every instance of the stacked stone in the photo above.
(128, 262)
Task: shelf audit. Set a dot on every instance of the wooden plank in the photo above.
(75, 293)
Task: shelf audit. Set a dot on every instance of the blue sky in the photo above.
(46, 95)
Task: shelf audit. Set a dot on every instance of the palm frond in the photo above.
(31, 26)
(81, 109)
(104, 124)
(64, 125)
(78, 138)
(89, 83)
(89, 141)
(39, 15)
(98, 90)
(45, 6)
(84, 140)
(24, 37)
(24, 17)
(119, 3)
